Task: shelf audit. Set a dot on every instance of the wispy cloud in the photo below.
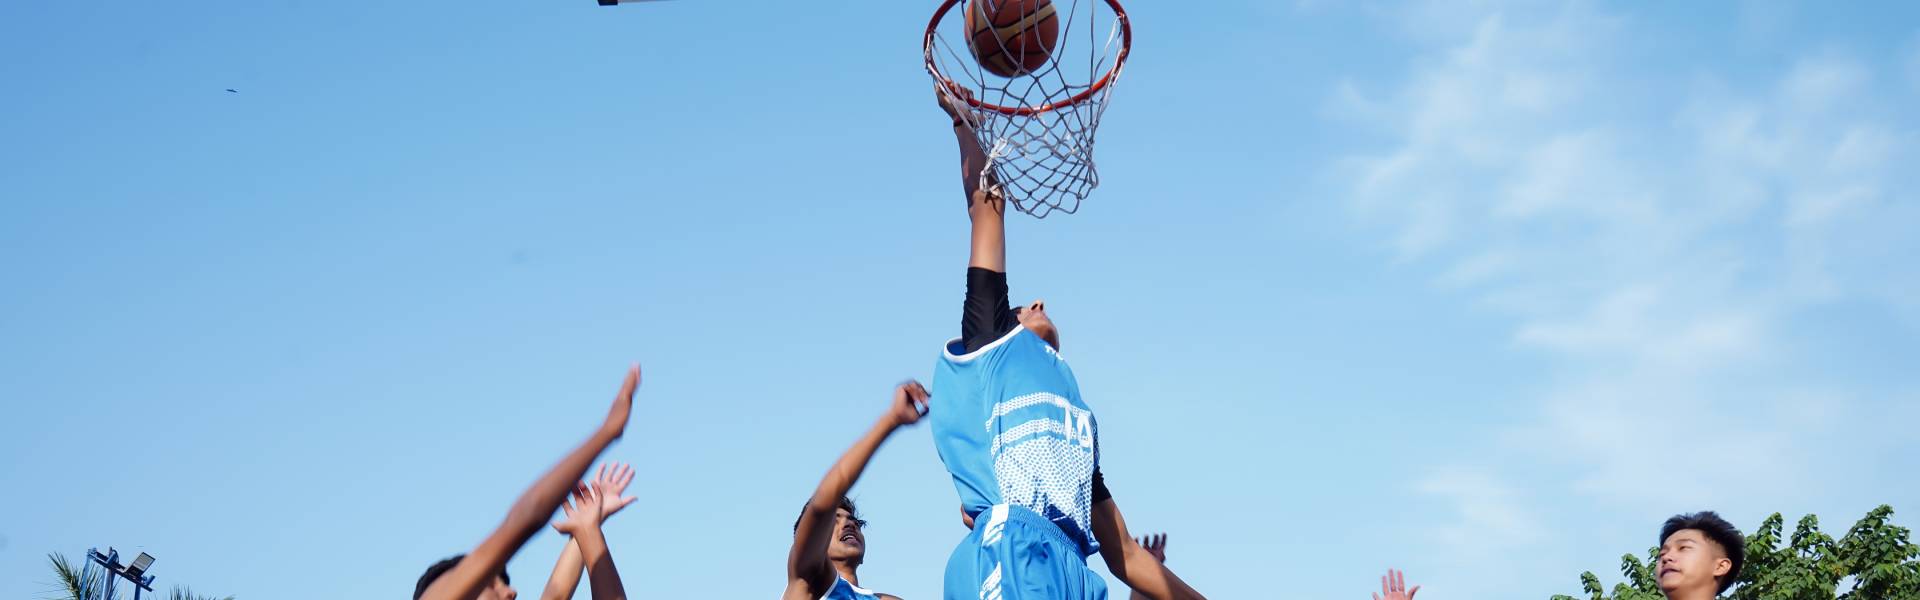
(1490, 514)
(1664, 244)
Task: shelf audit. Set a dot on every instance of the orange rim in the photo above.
(1126, 43)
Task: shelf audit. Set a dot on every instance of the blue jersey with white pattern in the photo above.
(1011, 428)
(846, 590)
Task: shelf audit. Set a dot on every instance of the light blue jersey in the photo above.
(1010, 426)
(846, 590)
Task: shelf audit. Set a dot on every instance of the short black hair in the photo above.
(845, 502)
(441, 568)
(1716, 529)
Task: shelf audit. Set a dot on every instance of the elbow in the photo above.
(1116, 560)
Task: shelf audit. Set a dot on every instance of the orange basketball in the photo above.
(1012, 37)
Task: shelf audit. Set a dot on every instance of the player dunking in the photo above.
(1022, 446)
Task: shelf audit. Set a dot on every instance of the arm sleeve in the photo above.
(1100, 493)
(987, 316)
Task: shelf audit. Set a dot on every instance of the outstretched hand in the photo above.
(622, 403)
(910, 403)
(1393, 586)
(1156, 544)
(610, 484)
(583, 510)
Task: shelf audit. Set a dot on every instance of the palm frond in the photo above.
(186, 593)
(73, 582)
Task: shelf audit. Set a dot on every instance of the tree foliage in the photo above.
(1875, 560)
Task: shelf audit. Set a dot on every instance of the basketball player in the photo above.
(605, 492)
(481, 573)
(1700, 556)
(1022, 446)
(828, 544)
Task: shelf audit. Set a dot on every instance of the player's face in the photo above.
(849, 543)
(1034, 318)
(1690, 561)
(499, 590)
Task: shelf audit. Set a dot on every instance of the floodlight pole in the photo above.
(111, 561)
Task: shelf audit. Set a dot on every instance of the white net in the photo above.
(1037, 127)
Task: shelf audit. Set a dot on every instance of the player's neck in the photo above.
(847, 571)
(1692, 594)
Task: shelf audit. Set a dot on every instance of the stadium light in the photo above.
(135, 573)
(139, 566)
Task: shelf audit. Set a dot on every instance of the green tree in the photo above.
(77, 582)
(1875, 560)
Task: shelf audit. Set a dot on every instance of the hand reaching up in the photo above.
(1393, 586)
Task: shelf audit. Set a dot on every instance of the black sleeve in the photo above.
(1100, 493)
(987, 315)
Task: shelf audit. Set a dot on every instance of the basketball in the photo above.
(1012, 37)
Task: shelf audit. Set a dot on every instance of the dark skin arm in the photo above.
(985, 206)
(809, 573)
(1156, 545)
(528, 514)
(1132, 563)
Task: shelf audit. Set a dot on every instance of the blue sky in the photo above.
(1481, 290)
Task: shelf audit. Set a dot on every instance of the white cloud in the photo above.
(1659, 244)
(1490, 514)
(1817, 85)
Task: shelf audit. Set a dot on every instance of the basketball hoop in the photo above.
(1037, 126)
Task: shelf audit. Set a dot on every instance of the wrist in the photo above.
(588, 530)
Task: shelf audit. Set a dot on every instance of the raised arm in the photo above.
(986, 207)
(809, 573)
(528, 514)
(584, 515)
(1132, 563)
(565, 578)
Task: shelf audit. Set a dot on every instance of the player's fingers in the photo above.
(1400, 580)
(1383, 585)
(631, 383)
(1410, 593)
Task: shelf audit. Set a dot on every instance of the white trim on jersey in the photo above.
(856, 589)
(947, 348)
